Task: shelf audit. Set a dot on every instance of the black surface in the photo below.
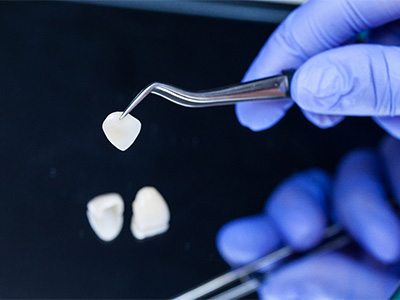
(63, 68)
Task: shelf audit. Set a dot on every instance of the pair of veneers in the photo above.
(150, 214)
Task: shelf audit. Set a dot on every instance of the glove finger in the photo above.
(259, 116)
(246, 239)
(356, 80)
(328, 276)
(390, 154)
(323, 121)
(317, 26)
(297, 208)
(387, 35)
(361, 205)
(390, 124)
(312, 28)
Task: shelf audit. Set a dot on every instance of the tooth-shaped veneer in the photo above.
(105, 215)
(150, 213)
(121, 133)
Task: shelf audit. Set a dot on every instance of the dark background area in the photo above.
(63, 68)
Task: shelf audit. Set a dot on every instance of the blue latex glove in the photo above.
(296, 214)
(332, 81)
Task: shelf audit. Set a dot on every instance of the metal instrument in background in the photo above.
(275, 88)
(245, 280)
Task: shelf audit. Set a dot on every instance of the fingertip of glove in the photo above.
(360, 203)
(323, 121)
(390, 124)
(258, 116)
(246, 239)
(306, 234)
(318, 86)
(384, 244)
(297, 208)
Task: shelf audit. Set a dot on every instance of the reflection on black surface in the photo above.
(64, 67)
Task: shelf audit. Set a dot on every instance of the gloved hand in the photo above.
(331, 81)
(297, 213)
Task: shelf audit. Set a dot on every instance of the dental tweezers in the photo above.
(275, 88)
(245, 280)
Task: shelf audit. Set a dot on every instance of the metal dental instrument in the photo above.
(245, 280)
(275, 88)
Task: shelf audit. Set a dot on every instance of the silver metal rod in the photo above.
(244, 289)
(275, 88)
(236, 274)
(333, 239)
(240, 291)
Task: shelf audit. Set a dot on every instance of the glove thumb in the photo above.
(356, 80)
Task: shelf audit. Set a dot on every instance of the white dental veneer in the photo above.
(150, 213)
(105, 215)
(121, 133)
